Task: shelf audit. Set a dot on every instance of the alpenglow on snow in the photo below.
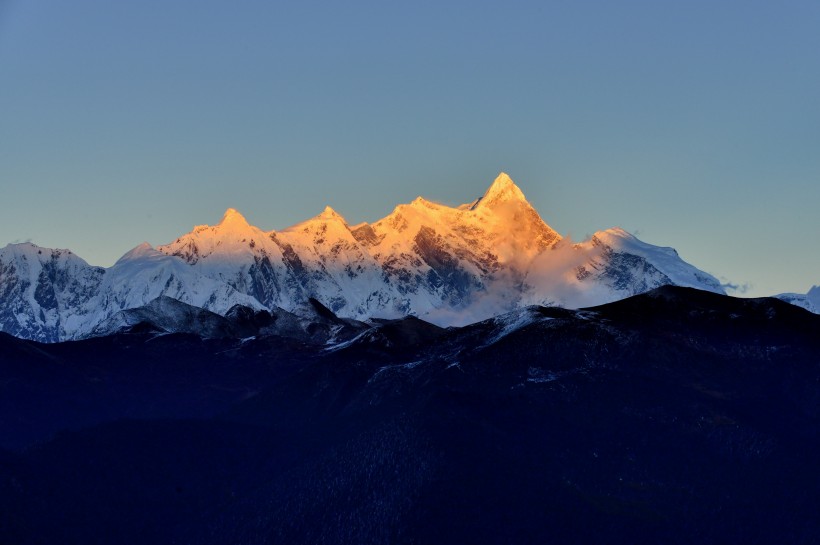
(448, 265)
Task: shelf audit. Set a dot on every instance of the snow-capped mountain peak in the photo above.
(141, 251)
(41, 290)
(328, 223)
(234, 221)
(233, 236)
(809, 300)
(329, 213)
(502, 190)
(31, 251)
(663, 258)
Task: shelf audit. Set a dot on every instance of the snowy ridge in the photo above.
(512, 321)
(809, 300)
(662, 258)
(448, 265)
(143, 274)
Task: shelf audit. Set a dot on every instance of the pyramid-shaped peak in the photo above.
(328, 213)
(141, 251)
(503, 189)
(233, 219)
(502, 181)
(141, 248)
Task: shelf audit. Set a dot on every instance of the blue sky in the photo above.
(691, 124)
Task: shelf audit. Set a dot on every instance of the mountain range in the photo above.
(448, 265)
(443, 375)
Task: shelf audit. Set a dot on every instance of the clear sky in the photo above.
(692, 124)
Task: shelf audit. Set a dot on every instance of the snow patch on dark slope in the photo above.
(678, 416)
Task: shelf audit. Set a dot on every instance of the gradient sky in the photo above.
(690, 124)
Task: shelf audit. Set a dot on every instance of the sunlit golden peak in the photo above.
(503, 189)
(503, 178)
(502, 182)
(421, 201)
(232, 218)
(330, 213)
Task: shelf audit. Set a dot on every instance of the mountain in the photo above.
(448, 265)
(675, 416)
(809, 301)
(43, 291)
(167, 315)
(420, 258)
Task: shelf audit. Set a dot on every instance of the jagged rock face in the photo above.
(43, 291)
(450, 265)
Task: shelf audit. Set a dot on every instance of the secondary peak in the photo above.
(421, 201)
(329, 213)
(141, 251)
